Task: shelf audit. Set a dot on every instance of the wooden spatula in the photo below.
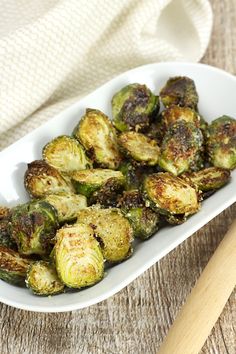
(206, 301)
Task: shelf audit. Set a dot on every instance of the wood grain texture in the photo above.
(136, 320)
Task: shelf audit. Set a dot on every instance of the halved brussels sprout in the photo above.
(209, 178)
(42, 279)
(67, 205)
(42, 179)
(143, 220)
(175, 113)
(170, 195)
(66, 154)
(182, 148)
(95, 182)
(221, 142)
(98, 136)
(140, 148)
(179, 90)
(112, 230)
(13, 267)
(134, 107)
(33, 225)
(78, 256)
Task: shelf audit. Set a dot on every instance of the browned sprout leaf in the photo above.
(134, 107)
(209, 178)
(179, 90)
(42, 179)
(221, 142)
(140, 148)
(98, 136)
(170, 195)
(182, 148)
(13, 267)
(112, 230)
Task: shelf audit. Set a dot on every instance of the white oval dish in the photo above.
(216, 90)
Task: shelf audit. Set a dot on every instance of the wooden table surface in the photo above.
(136, 320)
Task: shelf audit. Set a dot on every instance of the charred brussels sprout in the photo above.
(170, 195)
(176, 113)
(66, 154)
(143, 220)
(209, 178)
(13, 267)
(33, 225)
(42, 179)
(221, 142)
(182, 148)
(140, 148)
(180, 90)
(42, 279)
(98, 136)
(78, 256)
(98, 183)
(67, 205)
(133, 107)
(112, 230)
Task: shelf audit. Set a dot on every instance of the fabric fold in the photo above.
(56, 51)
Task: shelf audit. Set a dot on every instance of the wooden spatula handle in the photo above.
(206, 301)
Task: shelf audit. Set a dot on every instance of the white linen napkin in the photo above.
(54, 51)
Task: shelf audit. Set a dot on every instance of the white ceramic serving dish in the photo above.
(216, 90)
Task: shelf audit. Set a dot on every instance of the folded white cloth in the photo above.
(54, 51)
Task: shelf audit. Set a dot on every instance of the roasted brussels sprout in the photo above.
(182, 148)
(98, 136)
(144, 221)
(209, 178)
(13, 267)
(112, 230)
(95, 183)
(175, 113)
(66, 154)
(139, 147)
(33, 225)
(42, 179)
(133, 107)
(170, 195)
(78, 256)
(179, 90)
(67, 205)
(221, 142)
(42, 279)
